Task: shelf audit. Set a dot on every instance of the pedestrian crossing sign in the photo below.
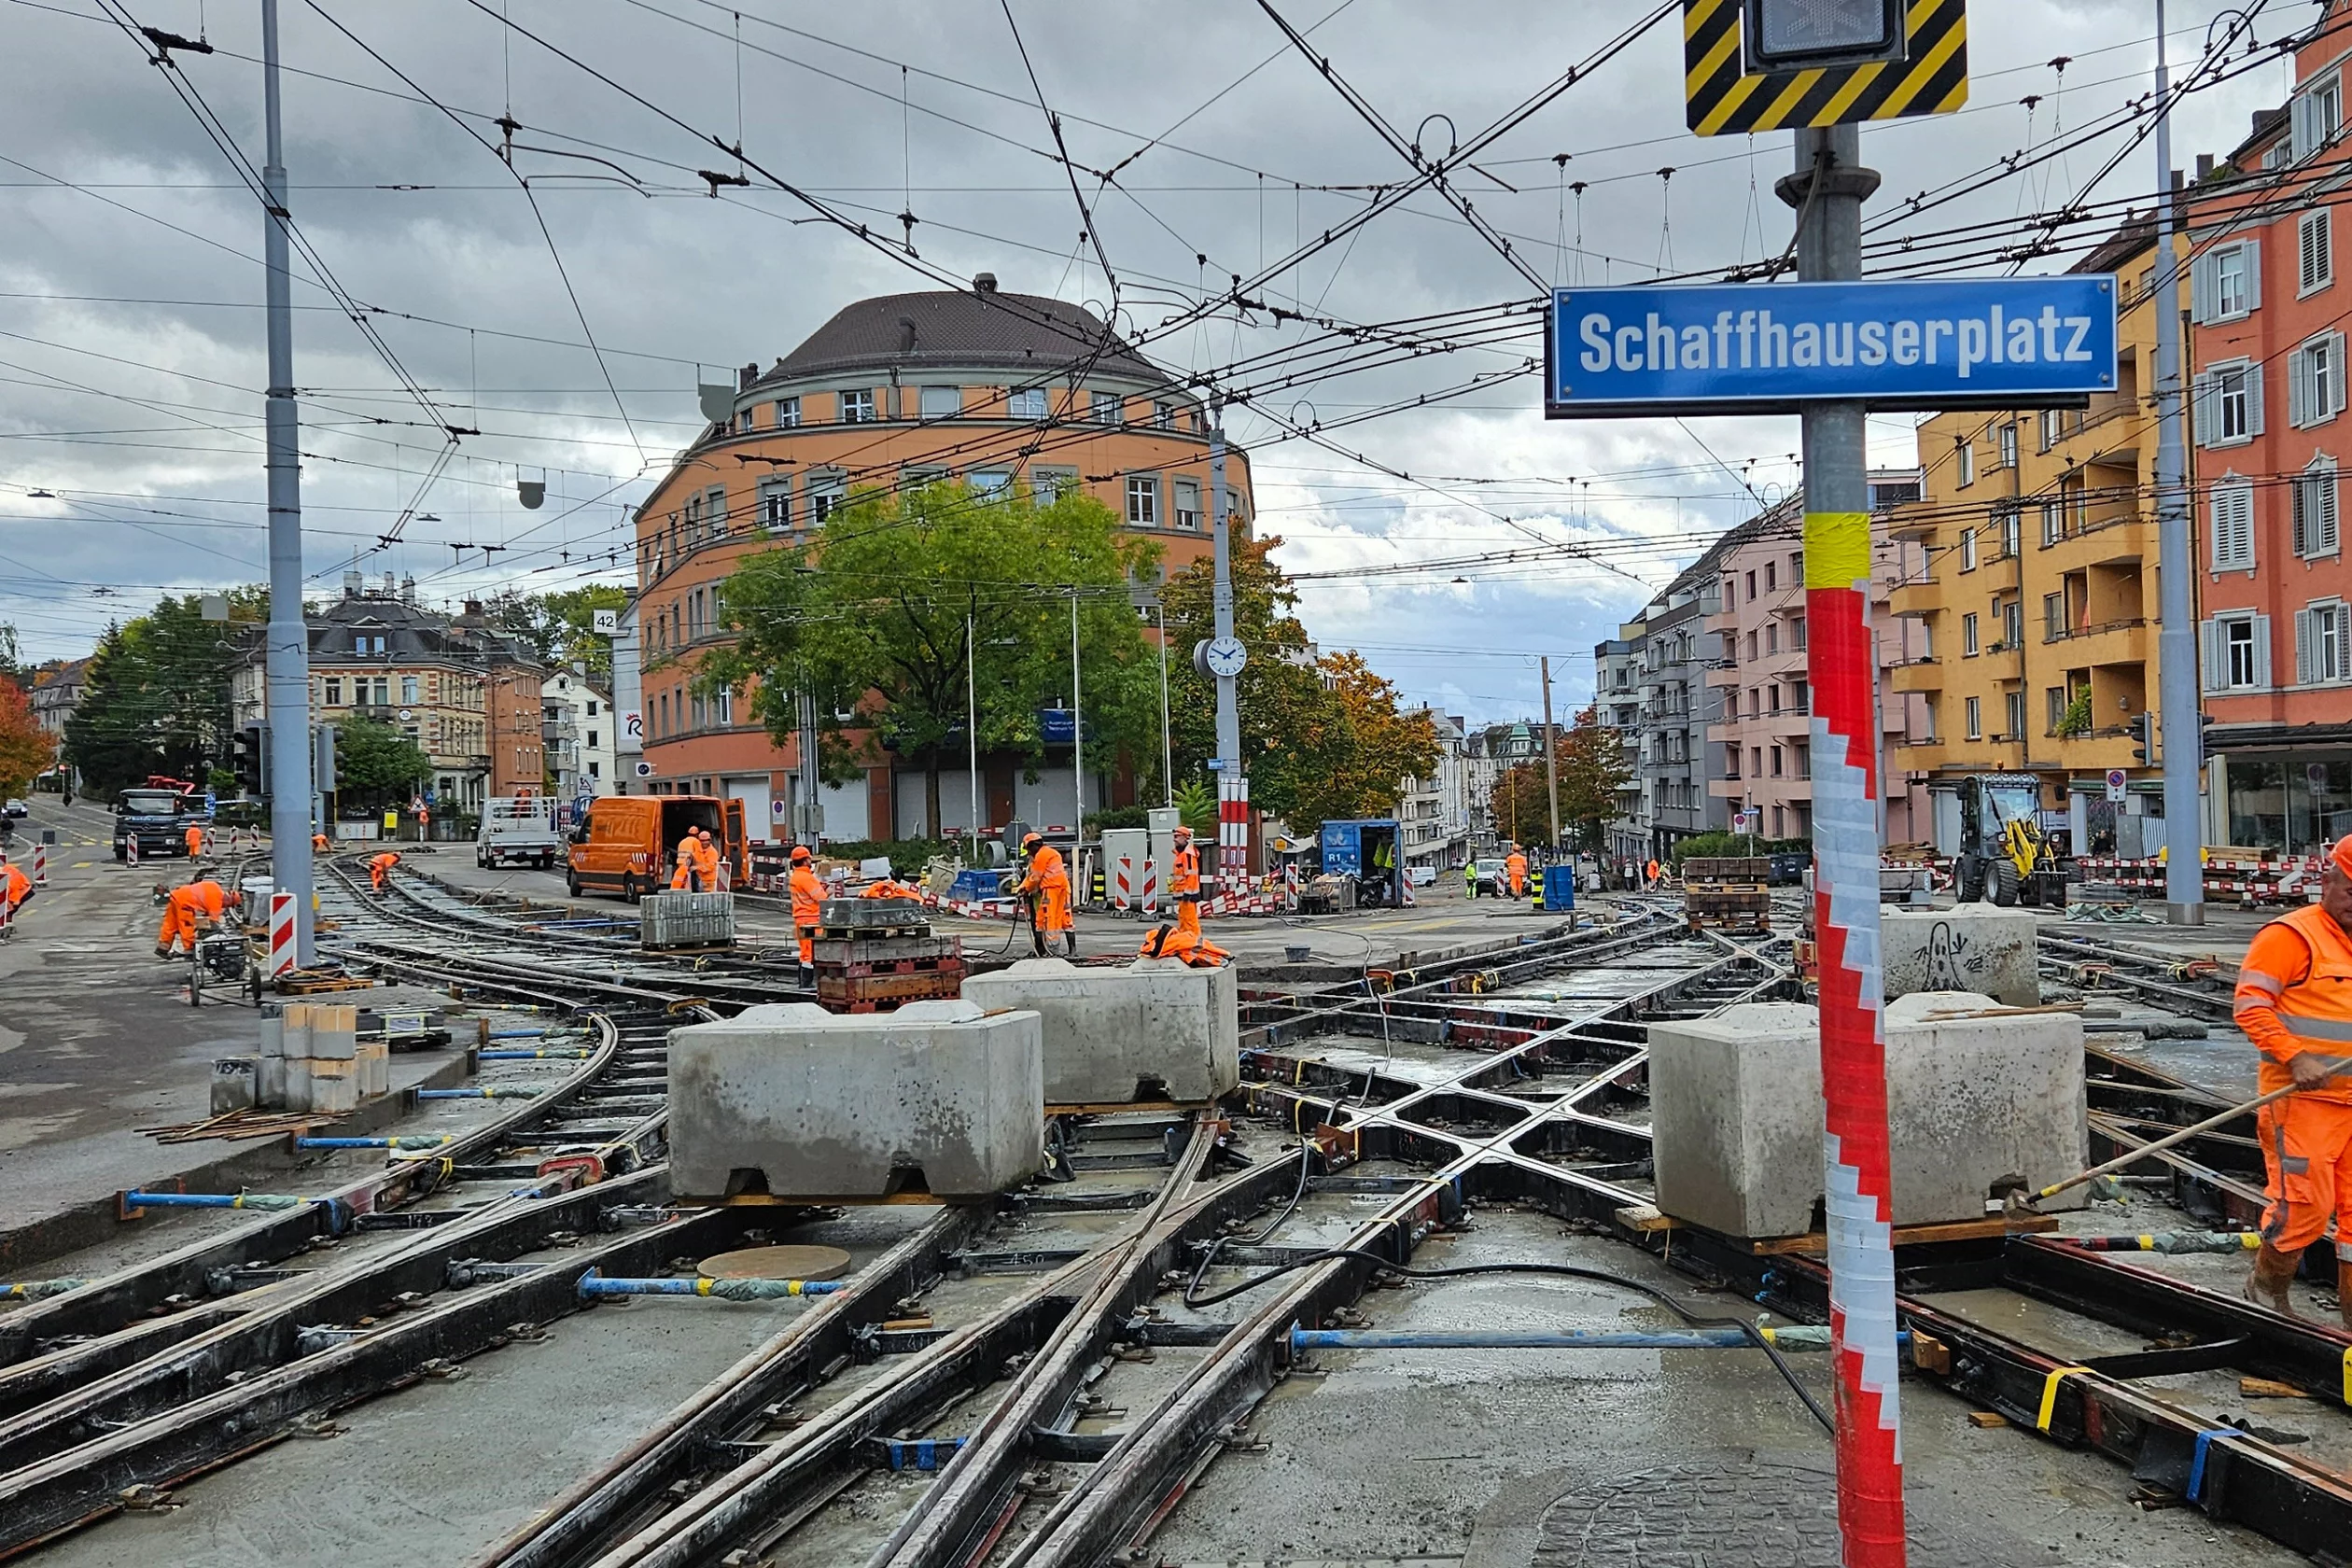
(1723, 98)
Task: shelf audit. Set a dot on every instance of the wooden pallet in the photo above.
(860, 993)
(321, 982)
(1646, 1218)
(889, 966)
(1753, 925)
(237, 1125)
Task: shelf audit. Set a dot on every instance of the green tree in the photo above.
(871, 616)
(156, 697)
(1322, 737)
(559, 627)
(376, 764)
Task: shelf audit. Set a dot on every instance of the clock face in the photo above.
(1227, 656)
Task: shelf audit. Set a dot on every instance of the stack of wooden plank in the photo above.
(1727, 892)
(872, 955)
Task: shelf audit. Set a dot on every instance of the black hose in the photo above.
(1562, 1270)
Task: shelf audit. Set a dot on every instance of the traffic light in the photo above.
(1796, 34)
(2144, 740)
(249, 759)
(323, 759)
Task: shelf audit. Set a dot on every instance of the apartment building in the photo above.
(1652, 689)
(991, 389)
(1433, 813)
(1487, 754)
(465, 692)
(576, 730)
(2028, 569)
(2271, 436)
(1760, 696)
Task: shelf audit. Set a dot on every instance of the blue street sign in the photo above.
(1770, 348)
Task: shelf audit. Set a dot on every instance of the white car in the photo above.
(1420, 876)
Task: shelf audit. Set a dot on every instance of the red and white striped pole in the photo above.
(40, 865)
(283, 950)
(1828, 187)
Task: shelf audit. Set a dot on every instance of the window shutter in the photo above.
(2332, 389)
(2254, 398)
(2325, 539)
(2299, 402)
(2304, 128)
(2210, 636)
(2253, 275)
(2201, 405)
(2261, 652)
(2305, 641)
(2200, 288)
(2301, 494)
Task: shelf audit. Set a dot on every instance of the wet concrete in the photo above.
(1397, 1452)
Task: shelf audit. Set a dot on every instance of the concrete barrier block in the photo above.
(1982, 1102)
(236, 1084)
(272, 1029)
(270, 1083)
(334, 1031)
(298, 1083)
(334, 1087)
(295, 1029)
(1971, 947)
(1153, 1029)
(374, 1061)
(1976, 1104)
(803, 1103)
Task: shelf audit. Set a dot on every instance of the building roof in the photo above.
(409, 631)
(1026, 335)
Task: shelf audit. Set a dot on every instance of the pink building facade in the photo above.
(1761, 701)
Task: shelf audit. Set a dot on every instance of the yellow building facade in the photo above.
(2030, 562)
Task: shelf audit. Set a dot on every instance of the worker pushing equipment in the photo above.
(379, 869)
(1046, 887)
(189, 911)
(2294, 1001)
(808, 898)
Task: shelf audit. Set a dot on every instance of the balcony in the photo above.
(2115, 642)
(1918, 596)
(2117, 534)
(1920, 675)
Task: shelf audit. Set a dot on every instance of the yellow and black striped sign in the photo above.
(1932, 77)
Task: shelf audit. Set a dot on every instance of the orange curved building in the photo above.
(894, 392)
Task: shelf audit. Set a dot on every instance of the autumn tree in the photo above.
(26, 748)
(904, 609)
(1590, 758)
(1322, 737)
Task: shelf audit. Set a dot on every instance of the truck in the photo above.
(1367, 850)
(1990, 825)
(517, 829)
(157, 815)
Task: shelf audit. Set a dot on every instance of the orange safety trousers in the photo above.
(2307, 1153)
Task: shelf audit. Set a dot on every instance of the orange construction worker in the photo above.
(379, 869)
(318, 844)
(195, 838)
(16, 887)
(706, 860)
(185, 911)
(2294, 1001)
(809, 899)
(1515, 867)
(1183, 882)
(1174, 941)
(683, 879)
(886, 889)
(1047, 887)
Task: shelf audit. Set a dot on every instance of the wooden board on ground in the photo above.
(237, 1125)
(1817, 1245)
(783, 1262)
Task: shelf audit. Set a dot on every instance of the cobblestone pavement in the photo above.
(1738, 1509)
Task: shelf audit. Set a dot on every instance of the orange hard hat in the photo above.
(800, 854)
(1182, 831)
(703, 833)
(2342, 854)
(1029, 839)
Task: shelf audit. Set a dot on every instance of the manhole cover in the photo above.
(778, 1263)
(1745, 1510)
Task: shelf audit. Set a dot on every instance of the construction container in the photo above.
(673, 920)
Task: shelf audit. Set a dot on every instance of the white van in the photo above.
(518, 830)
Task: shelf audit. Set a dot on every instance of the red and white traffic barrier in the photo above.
(282, 947)
(40, 865)
(131, 849)
(1859, 1183)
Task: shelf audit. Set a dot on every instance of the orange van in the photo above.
(629, 844)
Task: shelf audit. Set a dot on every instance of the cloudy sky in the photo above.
(570, 313)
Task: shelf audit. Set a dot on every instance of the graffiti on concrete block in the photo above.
(1952, 959)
